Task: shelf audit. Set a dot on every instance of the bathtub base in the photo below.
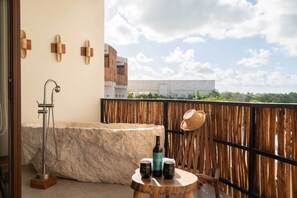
(43, 183)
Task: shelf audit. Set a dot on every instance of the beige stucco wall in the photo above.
(82, 85)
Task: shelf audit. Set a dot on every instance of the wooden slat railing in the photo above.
(256, 144)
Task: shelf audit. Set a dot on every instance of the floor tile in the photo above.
(66, 188)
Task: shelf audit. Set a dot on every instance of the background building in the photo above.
(116, 74)
(174, 88)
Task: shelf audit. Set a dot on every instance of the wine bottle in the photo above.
(157, 158)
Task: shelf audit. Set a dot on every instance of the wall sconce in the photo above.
(58, 48)
(87, 51)
(25, 44)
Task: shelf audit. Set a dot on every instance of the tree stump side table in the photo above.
(183, 183)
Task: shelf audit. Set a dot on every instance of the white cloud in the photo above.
(119, 32)
(139, 71)
(189, 68)
(167, 20)
(226, 78)
(275, 20)
(140, 67)
(178, 56)
(262, 78)
(167, 71)
(134, 65)
(257, 58)
(142, 58)
(194, 40)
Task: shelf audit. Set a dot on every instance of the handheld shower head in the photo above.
(57, 89)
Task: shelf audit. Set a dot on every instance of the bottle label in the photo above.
(157, 161)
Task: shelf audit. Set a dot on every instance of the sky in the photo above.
(244, 45)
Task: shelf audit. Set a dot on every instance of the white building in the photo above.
(174, 88)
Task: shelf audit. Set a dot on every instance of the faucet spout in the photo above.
(57, 89)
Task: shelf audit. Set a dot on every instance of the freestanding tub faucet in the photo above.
(45, 108)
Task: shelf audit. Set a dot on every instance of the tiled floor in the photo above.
(73, 189)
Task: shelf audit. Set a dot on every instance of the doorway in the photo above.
(10, 114)
(4, 114)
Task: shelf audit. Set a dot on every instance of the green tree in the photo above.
(130, 95)
(214, 94)
(227, 95)
(293, 97)
(199, 95)
(249, 97)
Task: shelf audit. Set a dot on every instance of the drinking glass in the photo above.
(145, 169)
(168, 169)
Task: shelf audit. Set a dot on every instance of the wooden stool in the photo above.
(197, 155)
(183, 183)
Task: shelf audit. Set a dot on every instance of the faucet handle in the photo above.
(41, 111)
(38, 110)
(45, 105)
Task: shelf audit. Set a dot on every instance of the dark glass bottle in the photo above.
(157, 158)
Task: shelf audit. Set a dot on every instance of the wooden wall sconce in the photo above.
(58, 48)
(25, 44)
(87, 51)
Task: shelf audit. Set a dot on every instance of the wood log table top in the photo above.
(183, 183)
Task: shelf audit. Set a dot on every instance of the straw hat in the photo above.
(192, 120)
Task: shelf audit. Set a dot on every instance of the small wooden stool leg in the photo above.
(137, 194)
(189, 194)
(216, 187)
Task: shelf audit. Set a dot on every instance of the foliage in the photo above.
(130, 95)
(199, 95)
(215, 95)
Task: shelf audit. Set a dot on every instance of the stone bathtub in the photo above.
(91, 152)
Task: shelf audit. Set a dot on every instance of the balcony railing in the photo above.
(255, 144)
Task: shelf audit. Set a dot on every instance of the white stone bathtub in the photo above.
(91, 152)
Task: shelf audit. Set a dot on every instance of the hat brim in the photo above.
(185, 127)
(195, 126)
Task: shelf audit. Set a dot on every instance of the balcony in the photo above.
(255, 143)
(74, 189)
